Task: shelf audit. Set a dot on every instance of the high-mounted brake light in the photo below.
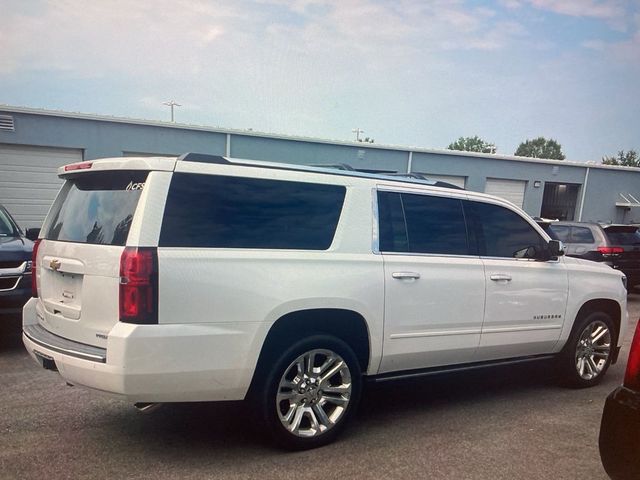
(78, 166)
(610, 250)
(139, 285)
(632, 375)
(34, 269)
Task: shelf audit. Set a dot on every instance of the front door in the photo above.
(526, 297)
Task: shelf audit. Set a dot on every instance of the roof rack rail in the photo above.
(341, 169)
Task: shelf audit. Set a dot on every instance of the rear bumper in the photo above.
(620, 434)
(155, 363)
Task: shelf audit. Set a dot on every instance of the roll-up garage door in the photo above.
(512, 190)
(29, 180)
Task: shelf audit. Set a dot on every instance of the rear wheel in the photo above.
(311, 392)
(587, 354)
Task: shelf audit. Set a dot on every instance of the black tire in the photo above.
(271, 410)
(569, 368)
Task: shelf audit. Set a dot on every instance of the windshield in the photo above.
(7, 228)
(97, 208)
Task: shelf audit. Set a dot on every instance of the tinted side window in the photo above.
(232, 212)
(561, 231)
(435, 224)
(393, 230)
(581, 235)
(421, 224)
(502, 232)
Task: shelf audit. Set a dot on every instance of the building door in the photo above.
(511, 190)
(559, 200)
(29, 180)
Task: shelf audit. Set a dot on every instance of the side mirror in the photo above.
(32, 233)
(555, 248)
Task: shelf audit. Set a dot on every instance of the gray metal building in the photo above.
(33, 143)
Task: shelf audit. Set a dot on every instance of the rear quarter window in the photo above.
(214, 211)
(561, 232)
(581, 235)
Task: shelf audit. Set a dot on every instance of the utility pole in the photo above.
(357, 131)
(171, 103)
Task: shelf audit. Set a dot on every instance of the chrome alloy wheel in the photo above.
(593, 350)
(314, 393)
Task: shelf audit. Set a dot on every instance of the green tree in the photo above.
(627, 159)
(472, 144)
(540, 148)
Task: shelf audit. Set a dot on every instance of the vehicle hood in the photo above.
(15, 248)
(590, 265)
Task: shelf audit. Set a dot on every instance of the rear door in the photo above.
(434, 283)
(79, 257)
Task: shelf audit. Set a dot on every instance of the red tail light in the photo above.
(610, 250)
(34, 269)
(632, 375)
(77, 166)
(139, 285)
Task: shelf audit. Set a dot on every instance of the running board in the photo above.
(456, 368)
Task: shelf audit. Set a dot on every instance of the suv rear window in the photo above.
(235, 212)
(97, 208)
(623, 235)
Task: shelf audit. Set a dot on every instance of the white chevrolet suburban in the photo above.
(204, 279)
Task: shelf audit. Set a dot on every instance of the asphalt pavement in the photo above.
(506, 423)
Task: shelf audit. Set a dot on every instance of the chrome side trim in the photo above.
(37, 334)
(442, 333)
(520, 329)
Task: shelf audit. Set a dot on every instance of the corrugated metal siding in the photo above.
(28, 180)
(512, 190)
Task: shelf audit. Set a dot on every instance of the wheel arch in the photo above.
(347, 325)
(605, 305)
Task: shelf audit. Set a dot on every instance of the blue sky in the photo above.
(419, 73)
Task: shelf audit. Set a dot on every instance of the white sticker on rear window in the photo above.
(135, 186)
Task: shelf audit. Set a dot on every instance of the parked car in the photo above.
(616, 245)
(620, 426)
(205, 279)
(15, 265)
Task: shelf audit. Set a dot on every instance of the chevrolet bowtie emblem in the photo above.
(55, 264)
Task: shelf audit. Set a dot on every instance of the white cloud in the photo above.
(603, 9)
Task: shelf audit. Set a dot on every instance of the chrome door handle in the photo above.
(405, 275)
(500, 277)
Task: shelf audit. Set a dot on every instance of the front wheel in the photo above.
(311, 391)
(587, 354)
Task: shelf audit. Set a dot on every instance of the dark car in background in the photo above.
(616, 245)
(620, 426)
(15, 264)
